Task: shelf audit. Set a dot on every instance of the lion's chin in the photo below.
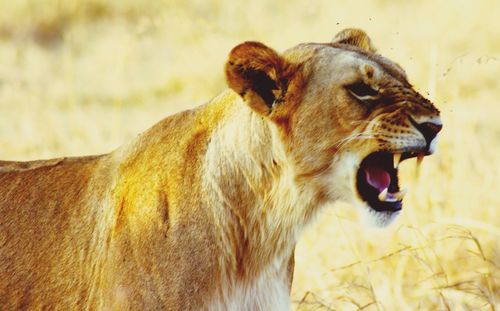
(374, 218)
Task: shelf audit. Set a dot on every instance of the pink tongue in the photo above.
(377, 178)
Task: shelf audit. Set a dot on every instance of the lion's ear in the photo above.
(258, 74)
(356, 37)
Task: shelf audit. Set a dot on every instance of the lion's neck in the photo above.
(250, 188)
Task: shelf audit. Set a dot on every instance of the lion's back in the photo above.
(45, 225)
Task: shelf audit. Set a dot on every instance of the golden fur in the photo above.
(203, 210)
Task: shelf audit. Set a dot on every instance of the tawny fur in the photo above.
(203, 210)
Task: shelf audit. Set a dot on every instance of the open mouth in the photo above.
(377, 179)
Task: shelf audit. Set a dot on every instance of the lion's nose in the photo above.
(429, 130)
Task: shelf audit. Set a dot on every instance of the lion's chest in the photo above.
(269, 291)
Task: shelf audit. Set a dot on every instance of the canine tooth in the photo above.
(400, 195)
(382, 196)
(397, 159)
(420, 158)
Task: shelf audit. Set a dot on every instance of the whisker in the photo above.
(369, 134)
(356, 136)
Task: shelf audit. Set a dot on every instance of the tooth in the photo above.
(397, 159)
(400, 195)
(386, 196)
(382, 195)
(420, 158)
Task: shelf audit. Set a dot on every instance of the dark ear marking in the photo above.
(263, 85)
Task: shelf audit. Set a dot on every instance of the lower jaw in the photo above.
(379, 219)
(389, 207)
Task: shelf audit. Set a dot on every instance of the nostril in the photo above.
(429, 130)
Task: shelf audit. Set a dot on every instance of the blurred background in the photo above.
(83, 77)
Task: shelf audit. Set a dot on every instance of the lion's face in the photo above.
(347, 117)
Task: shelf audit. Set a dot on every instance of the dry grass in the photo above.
(81, 77)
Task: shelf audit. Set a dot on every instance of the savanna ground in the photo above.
(82, 77)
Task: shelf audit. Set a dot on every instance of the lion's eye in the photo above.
(362, 91)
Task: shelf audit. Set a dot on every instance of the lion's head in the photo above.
(346, 116)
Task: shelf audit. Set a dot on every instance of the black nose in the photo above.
(429, 130)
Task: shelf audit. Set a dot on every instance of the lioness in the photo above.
(203, 211)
